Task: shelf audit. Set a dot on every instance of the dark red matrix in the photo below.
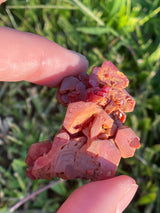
(93, 138)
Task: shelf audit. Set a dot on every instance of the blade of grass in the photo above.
(116, 8)
(61, 7)
(14, 140)
(88, 12)
(69, 30)
(25, 22)
(101, 31)
(148, 17)
(97, 31)
(128, 9)
(155, 56)
(11, 18)
(4, 20)
(20, 181)
(3, 89)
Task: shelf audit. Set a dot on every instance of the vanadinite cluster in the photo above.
(93, 138)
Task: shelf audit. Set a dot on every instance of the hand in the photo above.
(25, 56)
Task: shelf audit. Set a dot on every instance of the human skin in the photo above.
(29, 57)
(2, 1)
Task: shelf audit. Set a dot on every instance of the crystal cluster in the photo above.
(93, 138)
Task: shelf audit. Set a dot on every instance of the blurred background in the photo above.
(126, 32)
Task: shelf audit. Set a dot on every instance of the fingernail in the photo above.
(78, 54)
(83, 58)
(127, 197)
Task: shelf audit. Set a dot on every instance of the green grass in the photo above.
(125, 32)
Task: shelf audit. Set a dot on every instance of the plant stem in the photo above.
(24, 200)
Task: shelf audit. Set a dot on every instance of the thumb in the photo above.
(111, 196)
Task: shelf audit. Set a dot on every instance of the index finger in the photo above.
(33, 58)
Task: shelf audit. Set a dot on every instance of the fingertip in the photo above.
(2, 1)
(83, 60)
(112, 195)
(33, 58)
(66, 63)
(126, 198)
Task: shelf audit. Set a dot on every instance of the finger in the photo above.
(25, 56)
(2, 1)
(112, 196)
